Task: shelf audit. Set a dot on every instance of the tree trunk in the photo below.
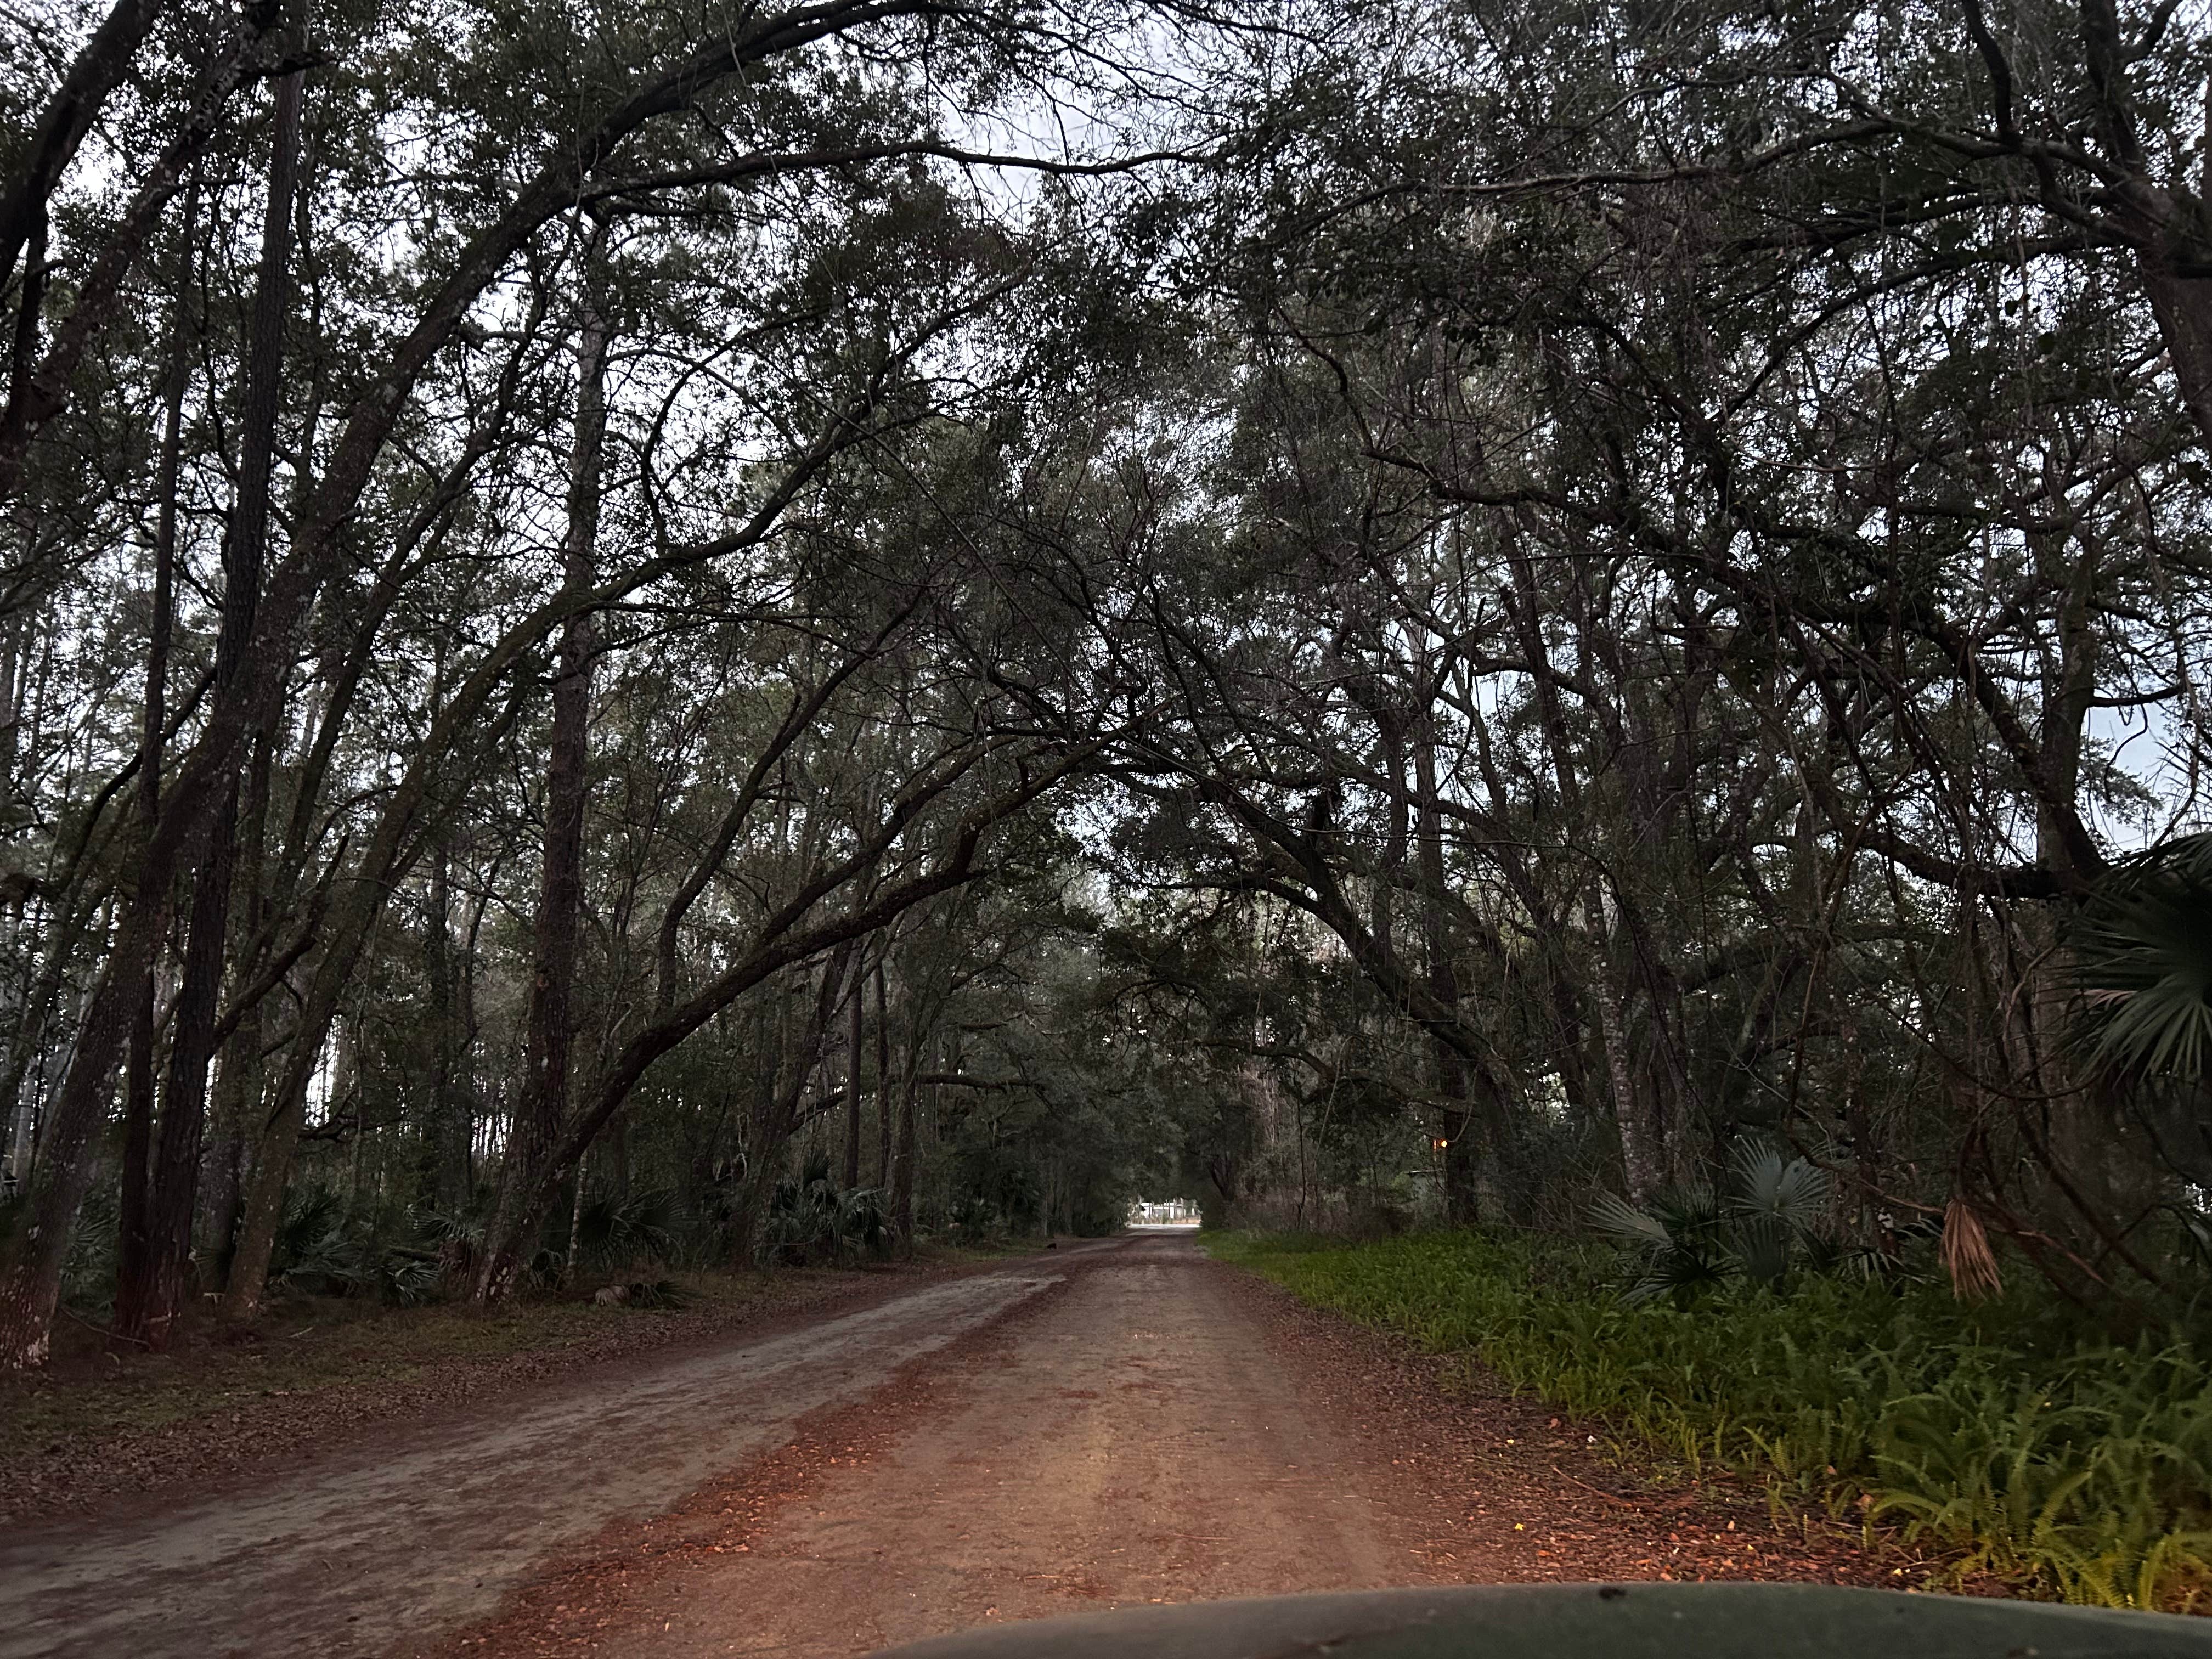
(222, 1191)
(1642, 1158)
(134, 1244)
(902, 1159)
(31, 1283)
(1455, 1116)
(192, 1045)
(2109, 1177)
(268, 1157)
(441, 1158)
(542, 1111)
(30, 1287)
(23, 354)
(184, 1093)
(135, 1265)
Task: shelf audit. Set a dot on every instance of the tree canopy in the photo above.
(880, 618)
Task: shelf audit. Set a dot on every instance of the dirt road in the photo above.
(1130, 1437)
(1108, 1424)
(432, 1531)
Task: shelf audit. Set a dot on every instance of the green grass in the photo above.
(2008, 1434)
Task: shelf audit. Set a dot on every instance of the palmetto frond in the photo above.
(2142, 951)
(1695, 1238)
(1774, 1202)
(1789, 1194)
(612, 1230)
(1678, 1273)
(1625, 1225)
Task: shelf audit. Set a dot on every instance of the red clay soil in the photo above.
(1158, 1428)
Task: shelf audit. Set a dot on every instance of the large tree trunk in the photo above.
(267, 1153)
(1643, 1144)
(1643, 1149)
(442, 1159)
(134, 1244)
(192, 1044)
(902, 1157)
(883, 1082)
(1455, 1116)
(184, 1093)
(2108, 1177)
(542, 1112)
(31, 1282)
(135, 1255)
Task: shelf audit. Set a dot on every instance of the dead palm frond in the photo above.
(1966, 1256)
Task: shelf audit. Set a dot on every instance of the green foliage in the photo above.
(321, 1250)
(975, 1221)
(809, 1218)
(2143, 947)
(2022, 1441)
(88, 1271)
(1694, 1240)
(612, 1230)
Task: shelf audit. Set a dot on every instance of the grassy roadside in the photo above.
(331, 1359)
(2006, 1433)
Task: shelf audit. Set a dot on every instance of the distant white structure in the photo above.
(1176, 1213)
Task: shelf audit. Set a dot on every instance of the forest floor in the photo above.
(315, 1372)
(1107, 1424)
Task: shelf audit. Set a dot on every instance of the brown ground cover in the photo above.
(317, 1374)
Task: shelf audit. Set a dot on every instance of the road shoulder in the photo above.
(262, 1410)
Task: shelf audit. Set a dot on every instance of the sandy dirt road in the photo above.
(1133, 1436)
(1109, 1424)
(432, 1530)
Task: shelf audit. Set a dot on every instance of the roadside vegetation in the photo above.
(367, 1302)
(2014, 1433)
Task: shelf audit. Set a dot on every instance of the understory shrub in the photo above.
(2007, 1432)
(810, 1218)
(321, 1250)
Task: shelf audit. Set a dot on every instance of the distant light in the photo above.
(1439, 1142)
